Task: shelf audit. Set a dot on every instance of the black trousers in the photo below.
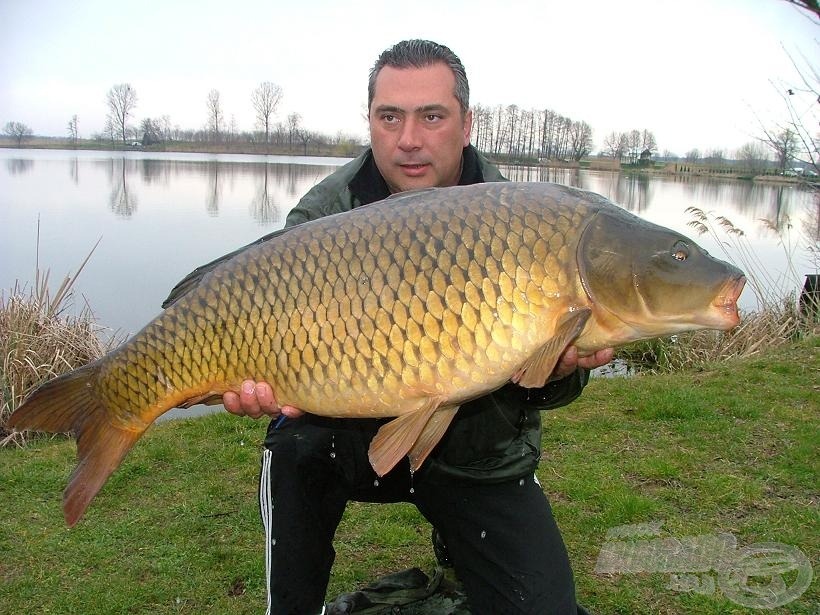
(502, 539)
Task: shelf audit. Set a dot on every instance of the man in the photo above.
(477, 488)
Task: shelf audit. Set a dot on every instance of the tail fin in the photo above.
(67, 404)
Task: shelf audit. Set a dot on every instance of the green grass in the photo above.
(731, 448)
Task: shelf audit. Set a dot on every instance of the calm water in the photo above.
(160, 215)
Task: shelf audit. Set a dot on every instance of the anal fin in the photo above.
(431, 435)
(395, 439)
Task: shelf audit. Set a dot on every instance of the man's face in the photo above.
(417, 131)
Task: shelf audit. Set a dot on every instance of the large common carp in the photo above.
(403, 308)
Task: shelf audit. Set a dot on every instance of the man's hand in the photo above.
(256, 399)
(569, 361)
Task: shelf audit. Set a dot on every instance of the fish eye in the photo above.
(680, 251)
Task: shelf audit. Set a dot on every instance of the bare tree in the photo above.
(17, 131)
(615, 145)
(796, 137)
(715, 156)
(233, 128)
(165, 127)
(482, 128)
(122, 99)
(215, 117)
(580, 140)
(110, 130)
(152, 131)
(693, 155)
(294, 119)
(265, 99)
(648, 141)
(73, 129)
(633, 142)
(305, 136)
(785, 146)
(753, 156)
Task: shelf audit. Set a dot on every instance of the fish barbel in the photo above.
(403, 308)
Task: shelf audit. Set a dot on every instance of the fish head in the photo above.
(645, 281)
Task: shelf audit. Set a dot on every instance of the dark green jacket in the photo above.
(491, 439)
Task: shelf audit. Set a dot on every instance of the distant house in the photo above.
(646, 158)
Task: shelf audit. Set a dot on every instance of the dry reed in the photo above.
(40, 339)
(778, 324)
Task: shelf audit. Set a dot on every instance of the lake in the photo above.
(158, 216)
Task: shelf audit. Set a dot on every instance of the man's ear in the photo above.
(468, 126)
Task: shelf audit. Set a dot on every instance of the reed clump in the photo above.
(776, 325)
(39, 339)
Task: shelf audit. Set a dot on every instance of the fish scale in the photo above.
(404, 308)
(371, 308)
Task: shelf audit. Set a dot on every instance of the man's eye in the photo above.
(432, 117)
(390, 119)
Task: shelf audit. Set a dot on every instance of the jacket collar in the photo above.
(368, 185)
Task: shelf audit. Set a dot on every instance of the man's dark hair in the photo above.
(417, 53)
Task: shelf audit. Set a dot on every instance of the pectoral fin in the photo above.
(208, 399)
(396, 438)
(536, 370)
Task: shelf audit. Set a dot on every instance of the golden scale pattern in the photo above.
(380, 302)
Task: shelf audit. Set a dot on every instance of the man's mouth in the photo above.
(414, 169)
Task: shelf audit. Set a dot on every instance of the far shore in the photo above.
(676, 168)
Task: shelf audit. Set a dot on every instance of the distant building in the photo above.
(646, 158)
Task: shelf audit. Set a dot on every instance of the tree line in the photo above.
(522, 135)
(265, 100)
(504, 132)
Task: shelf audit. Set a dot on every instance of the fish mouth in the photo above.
(726, 302)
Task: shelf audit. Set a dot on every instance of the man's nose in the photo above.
(410, 137)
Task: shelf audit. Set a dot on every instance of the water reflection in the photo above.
(183, 210)
(18, 166)
(263, 209)
(153, 172)
(638, 193)
(212, 204)
(121, 201)
(630, 191)
(567, 177)
(757, 200)
(635, 190)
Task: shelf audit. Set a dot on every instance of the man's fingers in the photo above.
(567, 364)
(265, 397)
(599, 358)
(292, 412)
(231, 402)
(247, 398)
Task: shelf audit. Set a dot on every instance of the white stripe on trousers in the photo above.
(266, 511)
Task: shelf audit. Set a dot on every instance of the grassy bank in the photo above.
(730, 448)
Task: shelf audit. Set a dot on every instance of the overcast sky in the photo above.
(697, 73)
